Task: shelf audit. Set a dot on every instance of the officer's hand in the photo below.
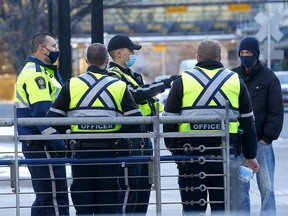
(169, 80)
(58, 146)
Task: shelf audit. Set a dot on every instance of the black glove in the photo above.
(169, 80)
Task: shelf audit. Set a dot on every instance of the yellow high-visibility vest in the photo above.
(145, 107)
(94, 94)
(205, 92)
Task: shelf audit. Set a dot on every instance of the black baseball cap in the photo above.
(122, 41)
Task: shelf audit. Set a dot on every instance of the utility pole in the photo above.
(50, 15)
(97, 28)
(65, 59)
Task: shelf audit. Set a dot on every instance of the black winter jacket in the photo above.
(266, 96)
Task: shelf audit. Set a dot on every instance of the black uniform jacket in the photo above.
(267, 101)
(174, 103)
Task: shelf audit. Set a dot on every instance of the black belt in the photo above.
(95, 145)
(91, 144)
(113, 148)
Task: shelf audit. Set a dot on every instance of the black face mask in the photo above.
(248, 61)
(53, 55)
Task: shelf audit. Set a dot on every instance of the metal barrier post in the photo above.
(226, 159)
(156, 161)
(16, 164)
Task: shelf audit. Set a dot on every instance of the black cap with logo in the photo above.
(122, 41)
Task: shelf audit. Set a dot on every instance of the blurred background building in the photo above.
(169, 31)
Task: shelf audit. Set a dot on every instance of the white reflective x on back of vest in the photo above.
(211, 100)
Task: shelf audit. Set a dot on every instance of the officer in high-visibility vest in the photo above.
(37, 86)
(95, 187)
(121, 50)
(204, 90)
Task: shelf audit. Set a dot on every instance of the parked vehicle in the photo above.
(163, 96)
(187, 63)
(283, 78)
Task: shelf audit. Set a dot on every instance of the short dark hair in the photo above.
(209, 50)
(38, 39)
(97, 54)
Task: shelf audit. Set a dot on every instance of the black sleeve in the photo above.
(174, 102)
(60, 107)
(130, 108)
(173, 108)
(146, 92)
(275, 112)
(247, 124)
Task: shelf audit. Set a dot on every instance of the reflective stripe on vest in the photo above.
(144, 108)
(31, 71)
(90, 96)
(205, 92)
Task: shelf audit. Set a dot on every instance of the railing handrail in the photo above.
(156, 135)
(111, 120)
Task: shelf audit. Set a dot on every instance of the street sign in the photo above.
(239, 7)
(276, 54)
(159, 47)
(176, 9)
(268, 26)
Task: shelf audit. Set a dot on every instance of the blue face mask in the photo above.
(132, 59)
(248, 61)
(53, 55)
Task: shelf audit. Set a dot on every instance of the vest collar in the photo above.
(37, 61)
(96, 69)
(124, 70)
(210, 65)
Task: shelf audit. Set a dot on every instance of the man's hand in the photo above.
(169, 80)
(251, 163)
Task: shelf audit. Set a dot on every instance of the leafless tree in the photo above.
(20, 19)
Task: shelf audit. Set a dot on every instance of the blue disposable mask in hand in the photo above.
(245, 174)
(132, 60)
(248, 61)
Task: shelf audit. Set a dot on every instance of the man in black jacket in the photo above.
(203, 90)
(266, 97)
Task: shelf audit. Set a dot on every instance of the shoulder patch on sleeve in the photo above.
(40, 81)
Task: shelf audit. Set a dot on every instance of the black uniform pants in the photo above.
(134, 181)
(95, 188)
(48, 181)
(144, 181)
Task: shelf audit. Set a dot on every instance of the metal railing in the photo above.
(156, 136)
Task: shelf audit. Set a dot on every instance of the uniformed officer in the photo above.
(204, 90)
(95, 187)
(37, 86)
(121, 50)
